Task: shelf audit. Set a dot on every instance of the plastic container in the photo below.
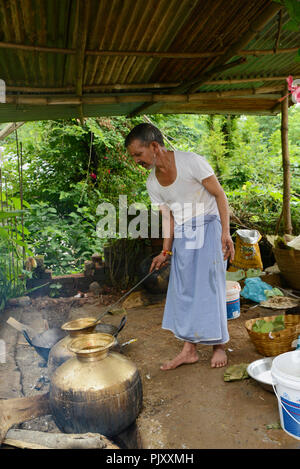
(285, 372)
(233, 299)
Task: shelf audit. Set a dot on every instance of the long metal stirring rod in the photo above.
(133, 288)
(118, 301)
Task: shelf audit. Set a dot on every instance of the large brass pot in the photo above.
(60, 352)
(97, 391)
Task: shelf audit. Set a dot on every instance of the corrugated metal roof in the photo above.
(78, 29)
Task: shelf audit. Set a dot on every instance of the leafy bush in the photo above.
(12, 273)
(69, 169)
(65, 241)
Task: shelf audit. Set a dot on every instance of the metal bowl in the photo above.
(257, 368)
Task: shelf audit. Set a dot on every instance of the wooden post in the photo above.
(286, 164)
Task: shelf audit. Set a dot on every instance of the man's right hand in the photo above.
(159, 261)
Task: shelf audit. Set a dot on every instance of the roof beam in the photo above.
(181, 88)
(150, 54)
(233, 81)
(136, 86)
(136, 98)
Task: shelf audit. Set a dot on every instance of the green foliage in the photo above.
(293, 9)
(65, 241)
(58, 160)
(11, 249)
(55, 289)
(60, 156)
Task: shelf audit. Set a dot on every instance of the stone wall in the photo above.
(120, 267)
(70, 284)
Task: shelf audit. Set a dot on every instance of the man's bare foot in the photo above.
(180, 360)
(219, 357)
(187, 355)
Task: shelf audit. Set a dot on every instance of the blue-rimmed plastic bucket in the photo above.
(233, 299)
(285, 373)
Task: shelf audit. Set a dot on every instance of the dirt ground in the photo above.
(190, 407)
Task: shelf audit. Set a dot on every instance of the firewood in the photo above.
(38, 440)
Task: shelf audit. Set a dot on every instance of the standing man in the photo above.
(195, 218)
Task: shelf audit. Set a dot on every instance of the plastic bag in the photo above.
(254, 289)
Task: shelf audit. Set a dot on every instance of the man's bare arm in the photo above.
(213, 186)
(168, 235)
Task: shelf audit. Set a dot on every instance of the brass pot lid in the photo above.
(92, 344)
(75, 324)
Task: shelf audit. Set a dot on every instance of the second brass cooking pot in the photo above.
(60, 352)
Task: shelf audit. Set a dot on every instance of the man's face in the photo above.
(141, 154)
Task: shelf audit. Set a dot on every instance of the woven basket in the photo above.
(288, 261)
(275, 343)
(291, 320)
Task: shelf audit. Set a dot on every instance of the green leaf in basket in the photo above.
(257, 325)
(267, 327)
(264, 327)
(278, 320)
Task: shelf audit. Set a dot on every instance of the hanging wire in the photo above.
(147, 119)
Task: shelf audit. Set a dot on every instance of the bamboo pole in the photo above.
(25, 47)
(136, 98)
(154, 107)
(129, 86)
(119, 86)
(30, 89)
(286, 164)
(150, 54)
(188, 55)
(260, 52)
(234, 81)
(113, 86)
(9, 129)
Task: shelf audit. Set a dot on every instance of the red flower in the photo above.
(93, 176)
(108, 171)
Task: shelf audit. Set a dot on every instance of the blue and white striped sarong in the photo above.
(195, 309)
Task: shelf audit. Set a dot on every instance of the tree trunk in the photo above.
(286, 164)
(228, 126)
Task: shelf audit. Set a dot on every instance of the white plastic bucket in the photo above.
(285, 372)
(233, 299)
